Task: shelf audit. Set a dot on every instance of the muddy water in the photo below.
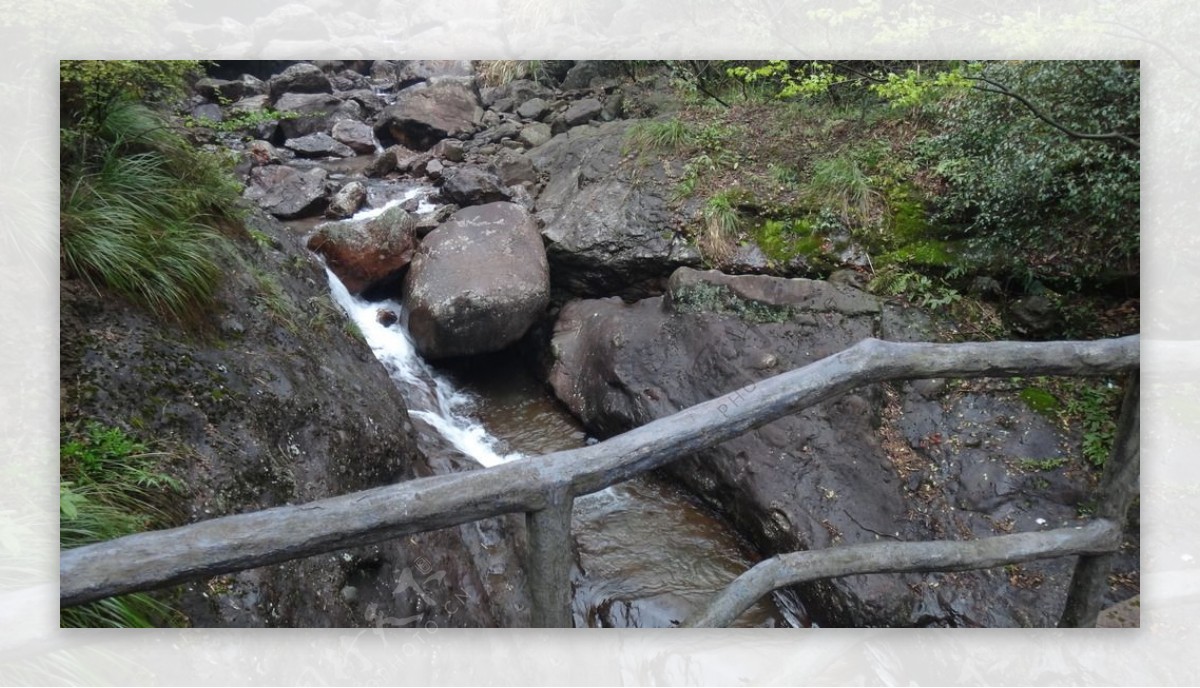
(648, 556)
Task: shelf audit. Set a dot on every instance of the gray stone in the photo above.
(582, 111)
(370, 252)
(468, 185)
(477, 283)
(299, 78)
(210, 112)
(318, 145)
(354, 134)
(609, 227)
(287, 193)
(347, 200)
(314, 113)
(426, 114)
(219, 90)
(534, 108)
(449, 149)
(513, 168)
(535, 134)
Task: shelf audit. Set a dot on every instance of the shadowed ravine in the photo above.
(647, 555)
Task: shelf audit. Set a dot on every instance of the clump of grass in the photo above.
(110, 487)
(272, 299)
(841, 184)
(499, 72)
(138, 211)
(722, 223)
(669, 135)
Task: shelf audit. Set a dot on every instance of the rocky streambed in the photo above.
(510, 233)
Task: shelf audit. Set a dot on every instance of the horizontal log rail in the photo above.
(233, 543)
(1096, 537)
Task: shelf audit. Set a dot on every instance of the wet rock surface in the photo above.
(878, 463)
(366, 253)
(477, 282)
(275, 403)
(608, 226)
(427, 113)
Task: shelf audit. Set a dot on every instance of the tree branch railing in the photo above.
(544, 486)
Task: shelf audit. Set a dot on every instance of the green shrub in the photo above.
(1040, 203)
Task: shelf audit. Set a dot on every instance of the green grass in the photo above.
(138, 210)
(110, 486)
(646, 136)
(842, 185)
(1049, 464)
(722, 223)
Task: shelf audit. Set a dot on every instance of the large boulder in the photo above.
(308, 113)
(477, 283)
(287, 193)
(427, 113)
(299, 78)
(471, 185)
(367, 253)
(354, 134)
(318, 145)
(608, 222)
(409, 72)
(876, 464)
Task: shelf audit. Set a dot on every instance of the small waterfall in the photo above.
(430, 396)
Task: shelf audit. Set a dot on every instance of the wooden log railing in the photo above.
(544, 487)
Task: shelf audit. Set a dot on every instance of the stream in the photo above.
(647, 554)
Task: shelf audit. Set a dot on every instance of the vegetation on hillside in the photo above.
(139, 205)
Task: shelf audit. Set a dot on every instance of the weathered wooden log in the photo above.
(549, 566)
(1118, 488)
(899, 557)
(234, 543)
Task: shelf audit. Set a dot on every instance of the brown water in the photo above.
(648, 555)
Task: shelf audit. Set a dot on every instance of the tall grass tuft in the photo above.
(722, 222)
(841, 184)
(138, 207)
(499, 72)
(671, 135)
(109, 488)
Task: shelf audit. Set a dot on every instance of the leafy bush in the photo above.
(1041, 203)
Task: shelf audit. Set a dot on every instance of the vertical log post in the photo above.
(550, 561)
(1118, 487)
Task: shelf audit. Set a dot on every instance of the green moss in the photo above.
(1040, 400)
(784, 240)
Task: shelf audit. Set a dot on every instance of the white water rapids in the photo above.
(448, 409)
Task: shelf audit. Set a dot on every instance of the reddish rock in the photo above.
(366, 253)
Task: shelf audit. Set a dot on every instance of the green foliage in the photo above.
(138, 203)
(1041, 203)
(110, 487)
(785, 239)
(801, 81)
(499, 72)
(272, 300)
(240, 120)
(90, 88)
(1048, 464)
(722, 222)
(922, 290)
(914, 88)
(1093, 406)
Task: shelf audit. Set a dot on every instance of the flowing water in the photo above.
(647, 554)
